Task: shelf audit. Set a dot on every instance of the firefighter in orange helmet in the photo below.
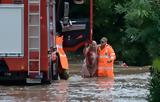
(106, 57)
(61, 59)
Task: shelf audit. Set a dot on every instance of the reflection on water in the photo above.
(124, 88)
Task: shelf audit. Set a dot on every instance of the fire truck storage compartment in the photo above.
(11, 30)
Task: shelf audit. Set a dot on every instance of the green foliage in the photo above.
(109, 24)
(102, 11)
(132, 27)
(133, 55)
(154, 86)
(142, 25)
(156, 64)
(130, 56)
(136, 13)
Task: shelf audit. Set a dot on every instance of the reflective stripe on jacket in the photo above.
(62, 55)
(106, 57)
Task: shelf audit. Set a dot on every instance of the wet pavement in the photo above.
(124, 88)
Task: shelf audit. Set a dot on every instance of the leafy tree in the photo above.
(109, 24)
(132, 27)
(141, 27)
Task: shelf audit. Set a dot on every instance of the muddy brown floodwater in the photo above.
(124, 88)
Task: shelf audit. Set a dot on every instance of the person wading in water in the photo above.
(89, 66)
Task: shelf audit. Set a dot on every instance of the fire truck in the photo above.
(27, 36)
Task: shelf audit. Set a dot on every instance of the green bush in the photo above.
(156, 64)
(154, 86)
(155, 81)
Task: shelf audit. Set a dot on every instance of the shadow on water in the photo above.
(124, 88)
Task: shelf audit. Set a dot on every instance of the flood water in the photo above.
(124, 88)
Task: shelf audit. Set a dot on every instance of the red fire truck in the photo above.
(27, 36)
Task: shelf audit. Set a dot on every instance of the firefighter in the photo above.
(106, 57)
(61, 60)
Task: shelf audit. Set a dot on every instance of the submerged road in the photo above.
(124, 88)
